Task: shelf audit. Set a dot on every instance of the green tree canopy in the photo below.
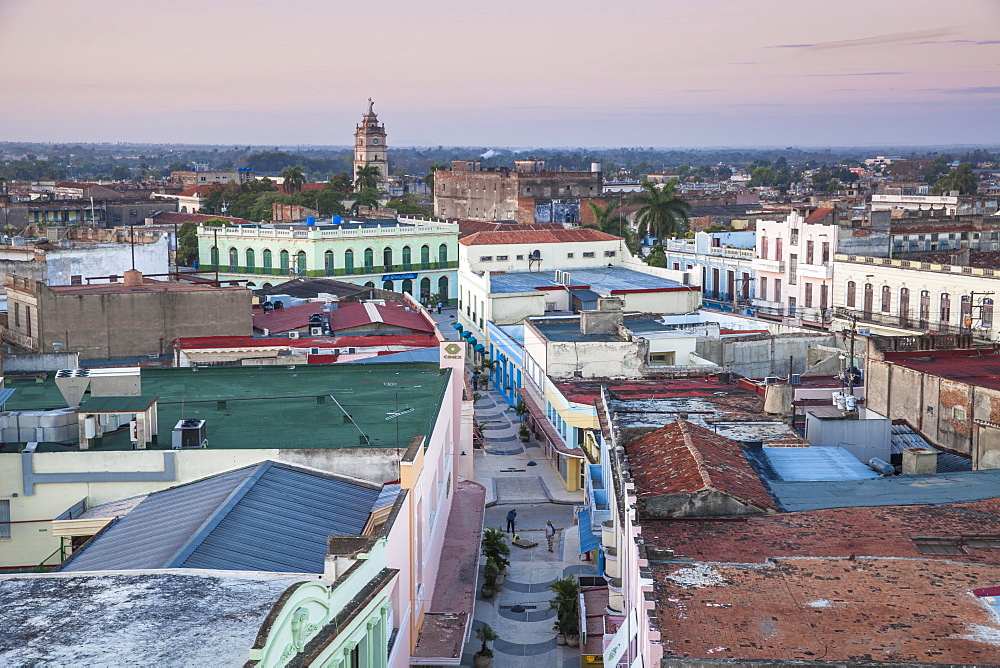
(762, 176)
(607, 219)
(187, 244)
(962, 179)
(367, 176)
(293, 179)
(365, 197)
(662, 212)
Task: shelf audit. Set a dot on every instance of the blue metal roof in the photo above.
(601, 280)
(5, 394)
(418, 355)
(817, 463)
(270, 517)
(588, 540)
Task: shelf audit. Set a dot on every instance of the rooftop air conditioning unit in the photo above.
(796, 379)
(314, 351)
(770, 380)
(293, 335)
(189, 434)
(316, 331)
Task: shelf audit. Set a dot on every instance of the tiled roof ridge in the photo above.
(699, 460)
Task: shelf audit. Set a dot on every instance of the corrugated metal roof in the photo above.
(817, 463)
(905, 437)
(157, 528)
(5, 394)
(270, 517)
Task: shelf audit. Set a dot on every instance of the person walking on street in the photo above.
(511, 520)
(550, 533)
(439, 305)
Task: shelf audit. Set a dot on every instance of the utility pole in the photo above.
(850, 361)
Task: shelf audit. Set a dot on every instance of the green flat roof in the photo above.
(135, 404)
(274, 406)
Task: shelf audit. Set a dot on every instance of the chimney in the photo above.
(605, 320)
(917, 461)
(133, 278)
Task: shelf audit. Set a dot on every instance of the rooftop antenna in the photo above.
(131, 239)
(349, 417)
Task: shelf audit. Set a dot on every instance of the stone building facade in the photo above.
(526, 194)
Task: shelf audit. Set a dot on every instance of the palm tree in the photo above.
(368, 176)
(566, 602)
(293, 179)
(366, 197)
(661, 210)
(607, 219)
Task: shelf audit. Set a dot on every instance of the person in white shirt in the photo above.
(550, 534)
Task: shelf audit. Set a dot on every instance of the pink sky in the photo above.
(516, 73)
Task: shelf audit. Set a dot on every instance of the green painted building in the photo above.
(403, 255)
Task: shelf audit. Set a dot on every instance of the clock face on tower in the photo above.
(374, 141)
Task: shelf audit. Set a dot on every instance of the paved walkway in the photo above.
(517, 475)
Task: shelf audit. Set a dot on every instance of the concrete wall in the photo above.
(40, 362)
(762, 355)
(125, 324)
(706, 503)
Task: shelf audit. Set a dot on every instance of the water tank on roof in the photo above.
(310, 220)
(337, 220)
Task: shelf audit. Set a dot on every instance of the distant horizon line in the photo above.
(349, 147)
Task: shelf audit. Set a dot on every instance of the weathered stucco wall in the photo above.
(764, 355)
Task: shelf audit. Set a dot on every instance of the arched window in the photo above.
(944, 314)
(387, 257)
(349, 261)
(966, 319)
(214, 255)
(443, 289)
(387, 285)
(425, 256)
(408, 286)
(869, 299)
(267, 286)
(300, 263)
(283, 260)
(369, 259)
(250, 261)
(407, 259)
(987, 311)
(370, 284)
(852, 288)
(443, 253)
(925, 309)
(268, 264)
(328, 262)
(425, 288)
(234, 260)
(886, 299)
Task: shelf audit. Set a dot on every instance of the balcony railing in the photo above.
(895, 321)
(774, 266)
(374, 270)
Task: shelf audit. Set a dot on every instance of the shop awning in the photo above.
(588, 541)
(550, 432)
(458, 326)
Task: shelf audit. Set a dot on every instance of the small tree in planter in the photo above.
(495, 547)
(491, 577)
(566, 602)
(484, 657)
(524, 433)
(487, 366)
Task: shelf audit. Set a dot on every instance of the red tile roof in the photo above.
(683, 458)
(305, 186)
(149, 285)
(367, 341)
(354, 314)
(583, 234)
(901, 611)
(467, 227)
(818, 216)
(285, 319)
(876, 531)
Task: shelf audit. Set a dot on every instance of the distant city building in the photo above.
(370, 144)
(191, 179)
(527, 194)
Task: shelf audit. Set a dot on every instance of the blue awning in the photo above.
(473, 341)
(457, 325)
(588, 541)
(479, 348)
(466, 335)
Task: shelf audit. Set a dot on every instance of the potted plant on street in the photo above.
(484, 657)
(496, 550)
(566, 602)
(524, 433)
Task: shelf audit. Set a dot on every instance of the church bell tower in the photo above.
(369, 144)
